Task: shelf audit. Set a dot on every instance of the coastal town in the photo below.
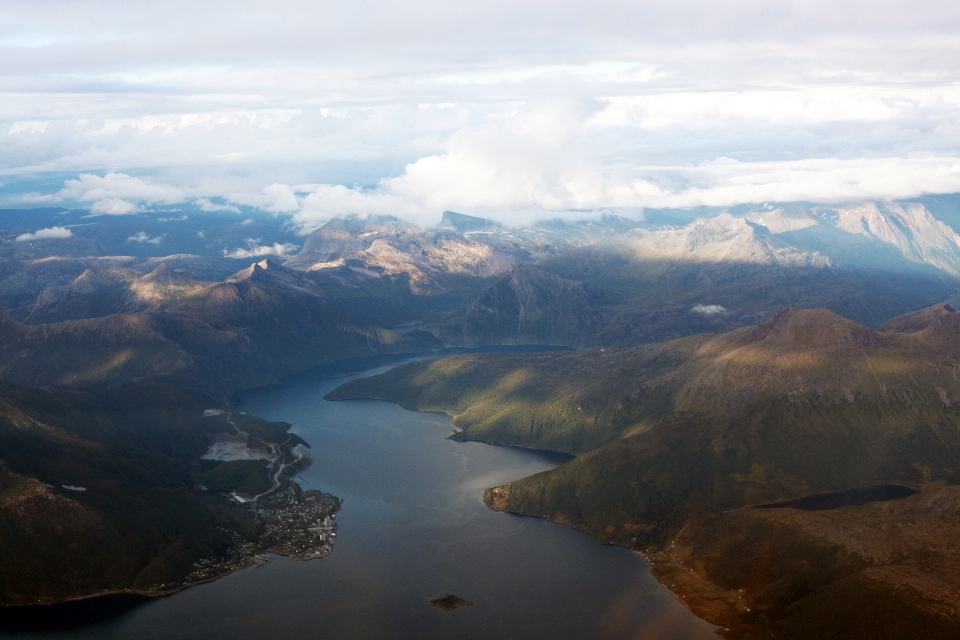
(298, 524)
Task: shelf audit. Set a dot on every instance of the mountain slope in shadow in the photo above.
(251, 329)
(99, 491)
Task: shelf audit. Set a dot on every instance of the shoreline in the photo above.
(236, 399)
(359, 364)
(687, 598)
(244, 561)
(652, 564)
(458, 435)
(151, 593)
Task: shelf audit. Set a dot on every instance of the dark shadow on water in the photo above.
(556, 457)
(68, 616)
(848, 498)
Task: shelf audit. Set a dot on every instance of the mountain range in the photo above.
(604, 282)
(112, 326)
(762, 399)
(472, 281)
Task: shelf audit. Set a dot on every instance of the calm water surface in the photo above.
(413, 526)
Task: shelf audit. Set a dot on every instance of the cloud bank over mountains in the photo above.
(511, 110)
(50, 233)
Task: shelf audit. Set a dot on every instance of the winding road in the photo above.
(274, 475)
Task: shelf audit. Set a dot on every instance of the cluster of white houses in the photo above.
(327, 530)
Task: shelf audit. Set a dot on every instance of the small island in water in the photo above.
(449, 602)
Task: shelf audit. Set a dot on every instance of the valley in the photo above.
(484, 321)
(712, 361)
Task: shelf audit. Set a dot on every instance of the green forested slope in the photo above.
(550, 401)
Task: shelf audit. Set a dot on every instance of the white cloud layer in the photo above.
(51, 233)
(709, 309)
(118, 186)
(141, 237)
(113, 207)
(509, 109)
(255, 250)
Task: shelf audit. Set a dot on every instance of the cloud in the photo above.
(51, 233)
(142, 237)
(517, 189)
(169, 122)
(28, 126)
(275, 198)
(419, 107)
(119, 186)
(328, 201)
(709, 309)
(534, 167)
(254, 250)
(37, 198)
(206, 204)
(705, 110)
(113, 207)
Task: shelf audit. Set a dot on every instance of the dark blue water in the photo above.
(413, 526)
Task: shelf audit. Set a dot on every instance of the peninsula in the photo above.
(143, 489)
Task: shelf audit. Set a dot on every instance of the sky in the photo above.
(513, 110)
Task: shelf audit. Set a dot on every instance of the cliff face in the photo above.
(910, 228)
(868, 262)
(342, 237)
(714, 274)
(387, 246)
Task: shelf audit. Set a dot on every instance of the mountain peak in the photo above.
(802, 329)
(354, 224)
(342, 237)
(453, 221)
(164, 275)
(921, 320)
(723, 238)
(910, 227)
(265, 267)
(267, 273)
(937, 323)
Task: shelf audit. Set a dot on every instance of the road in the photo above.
(274, 474)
